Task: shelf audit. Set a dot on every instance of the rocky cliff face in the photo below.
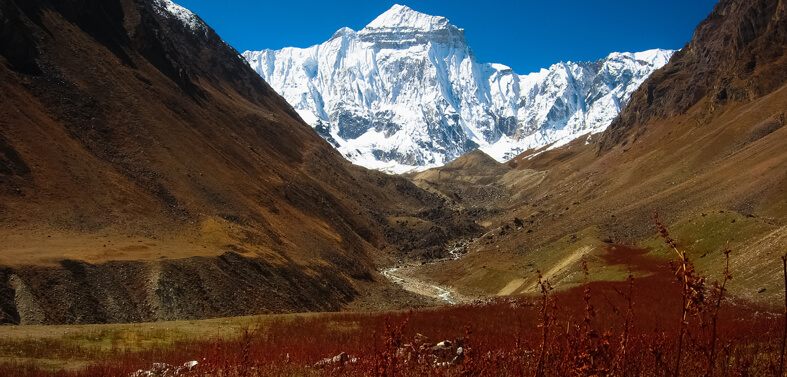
(736, 54)
(406, 92)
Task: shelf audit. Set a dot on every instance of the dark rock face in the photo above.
(17, 45)
(736, 54)
(406, 38)
(323, 130)
(8, 309)
(507, 125)
(350, 125)
(11, 164)
(383, 123)
(128, 291)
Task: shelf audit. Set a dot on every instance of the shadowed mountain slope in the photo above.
(146, 172)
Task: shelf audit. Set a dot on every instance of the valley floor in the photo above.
(629, 327)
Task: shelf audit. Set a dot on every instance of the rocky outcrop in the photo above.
(76, 292)
(736, 54)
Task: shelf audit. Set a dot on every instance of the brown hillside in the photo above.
(479, 184)
(702, 142)
(146, 172)
(737, 54)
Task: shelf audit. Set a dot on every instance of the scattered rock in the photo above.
(443, 351)
(337, 361)
(460, 356)
(166, 370)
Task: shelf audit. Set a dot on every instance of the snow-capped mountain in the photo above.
(171, 10)
(406, 93)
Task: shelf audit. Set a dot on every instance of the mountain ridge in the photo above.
(736, 55)
(407, 93)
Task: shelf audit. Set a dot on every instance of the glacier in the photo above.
(406, 93)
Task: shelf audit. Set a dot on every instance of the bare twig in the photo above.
(784, 335)
(715, 317)
(546, 321)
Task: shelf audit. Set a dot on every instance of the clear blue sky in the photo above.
(526, 35)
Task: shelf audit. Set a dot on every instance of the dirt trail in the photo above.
(407, 277)
(404, 277)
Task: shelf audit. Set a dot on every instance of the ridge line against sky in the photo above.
(524, 35)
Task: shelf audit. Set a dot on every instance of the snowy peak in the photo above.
(401, 28)
(656, 56)
(407, 93)
(169, 9)
(343, 32)
(401, 17)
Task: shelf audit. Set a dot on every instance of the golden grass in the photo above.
(73, 347)
(209, 238)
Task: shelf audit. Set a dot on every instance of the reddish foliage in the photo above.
(628, 328)
(494, 341)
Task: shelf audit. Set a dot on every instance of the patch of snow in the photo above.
(187, 17)
(401, 16)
